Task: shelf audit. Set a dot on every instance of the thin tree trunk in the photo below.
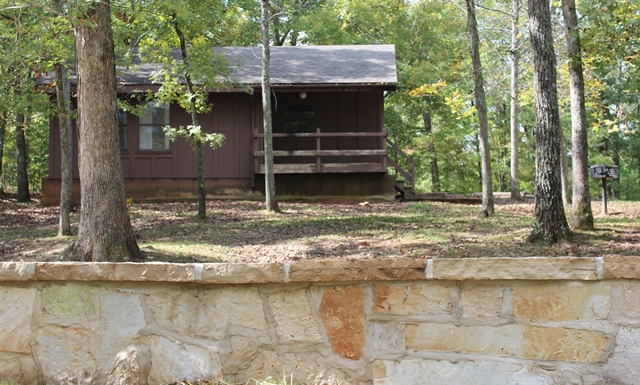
(3, 126)
(63, 95)
(21, 153)
(269, 178)
(435, 173)
(105, 232)
(197, 144)
(551, 222)
(515, 135)
(564, 172)
(481, 107)
(582, 216)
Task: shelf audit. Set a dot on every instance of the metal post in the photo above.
(604, 196)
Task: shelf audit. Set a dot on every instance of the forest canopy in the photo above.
(431, 115)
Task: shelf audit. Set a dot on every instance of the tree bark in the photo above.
(481, 107)
(63, 95)
(269, 177)
(582, 216)
(551, 222)
(435, 173)
(3, 126)
(564, 171)
(197, 144)
(21, 154)
(105, 232)
(515, 135)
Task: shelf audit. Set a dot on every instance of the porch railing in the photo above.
(318, 153)
(405, 166)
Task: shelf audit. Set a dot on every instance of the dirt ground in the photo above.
(241, 231)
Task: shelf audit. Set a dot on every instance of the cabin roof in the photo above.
(327, 65)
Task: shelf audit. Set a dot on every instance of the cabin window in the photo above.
(299, 119)
(122, 129)
(151, 132)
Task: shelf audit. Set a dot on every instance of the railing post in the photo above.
(318, 148)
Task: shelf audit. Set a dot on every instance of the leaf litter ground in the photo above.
(241, 231)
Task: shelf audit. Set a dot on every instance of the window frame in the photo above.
(157, 126)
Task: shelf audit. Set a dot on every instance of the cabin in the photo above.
(328, 130)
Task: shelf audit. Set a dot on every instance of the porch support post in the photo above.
(318, 148)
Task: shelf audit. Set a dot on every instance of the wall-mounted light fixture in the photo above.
(303, 95)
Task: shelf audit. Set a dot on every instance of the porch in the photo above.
(326, 159)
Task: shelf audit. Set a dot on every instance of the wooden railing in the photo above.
(407, 170)
(319, 166)
(402, 163)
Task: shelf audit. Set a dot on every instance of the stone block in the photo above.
(69, 301)
(16, 313)
(505, 340)
(561, 344)
(386, 338)
(532, 268)
(345, 270)
(342, 312)
(171, 360)
(619, 267)
(427, 299)
(574, 301)
(481, 301)
(16, 271)
(209, 313)
(304, 367)
(11, 372)
(115, 272)
(294, 320)
(122, 317)
(436, 372)
(625, 303)
(551, 344)
(235, 273)
(128, 368)
(622, 367)
(64, 354)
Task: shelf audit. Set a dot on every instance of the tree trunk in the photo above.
(63, 95)
(197, 144)
(564, 171)
(551, 222)
(21, 153)
(481, 107)
(105, 232)
(3, 126)
(515, 138)
(435, 173)
(269, 178)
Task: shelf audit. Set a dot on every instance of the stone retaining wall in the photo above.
(384, 321)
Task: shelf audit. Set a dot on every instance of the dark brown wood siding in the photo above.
(235, 115)
(231, 115)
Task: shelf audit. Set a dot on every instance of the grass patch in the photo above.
(241, 231)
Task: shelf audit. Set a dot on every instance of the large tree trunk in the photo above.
(197, 144)
(435, 173)
(515, 138)
(3, 126)
(481, 107)
(105, 232)
(63, 94)
(551, 222)
(269, 178)
(21, 154)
